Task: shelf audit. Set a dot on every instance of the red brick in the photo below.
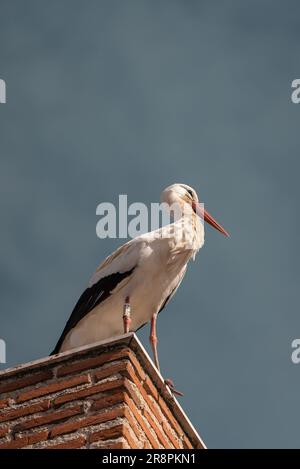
(158, 432)
(169, 416)
(53, 387)
(133, 443)
(4, 403)
(92, 362)
(130, 373)
(115, 432)
(74, 425)
(12, 414)
(154, 393)
(94, 389)
(49, 418)
(168, 431)
(137, 410)
(27, 440)
(142, 423)
(117, 445)
(154, 407)
(110, 370)
(186, 443)
(135, 427)
(112, 384)
(107, 433)
(27, 380)
(142, 391)
(32, 438)
(69, 444)
(133, 394)
(150, 388)
(108, 400)
(3, 431)
(137, 366)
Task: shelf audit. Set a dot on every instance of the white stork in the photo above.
(138, 280)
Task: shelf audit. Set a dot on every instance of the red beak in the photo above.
(209, 219)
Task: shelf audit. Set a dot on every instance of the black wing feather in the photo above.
(89, 299)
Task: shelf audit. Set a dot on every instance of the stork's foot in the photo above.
(170, 385)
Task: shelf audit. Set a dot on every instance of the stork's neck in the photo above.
(186, 233)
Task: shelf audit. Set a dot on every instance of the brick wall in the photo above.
(108, 395)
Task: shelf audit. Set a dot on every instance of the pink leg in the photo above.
(153, 340)
(126, 315)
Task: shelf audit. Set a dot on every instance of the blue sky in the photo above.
(112, 97)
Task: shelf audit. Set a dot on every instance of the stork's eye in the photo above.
(190, 192)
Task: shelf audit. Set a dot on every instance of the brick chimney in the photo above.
(108, 395)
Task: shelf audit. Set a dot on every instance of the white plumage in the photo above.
(146, 272)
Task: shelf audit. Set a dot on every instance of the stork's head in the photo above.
(186, 198)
